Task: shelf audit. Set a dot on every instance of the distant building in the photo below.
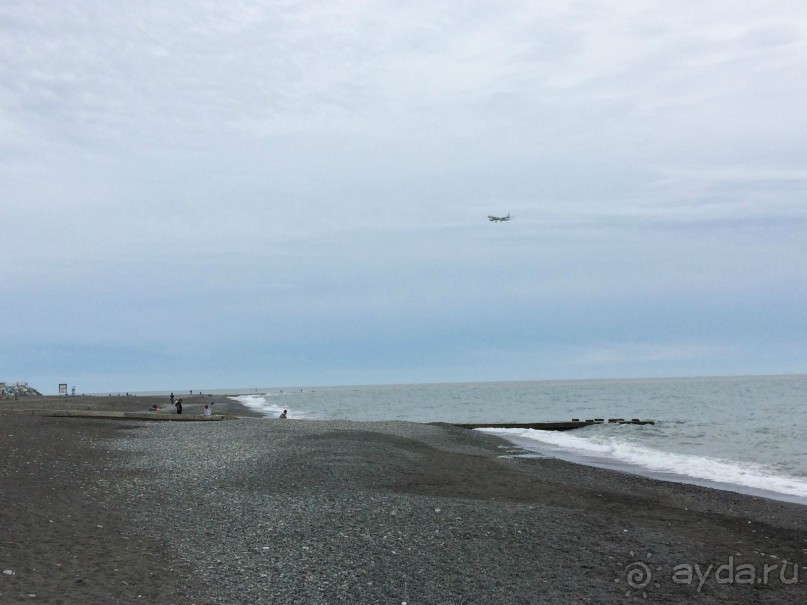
(19, 389)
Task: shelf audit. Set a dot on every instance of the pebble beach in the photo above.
(251, 510)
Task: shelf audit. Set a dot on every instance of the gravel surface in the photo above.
(273, 512)
(392, 512)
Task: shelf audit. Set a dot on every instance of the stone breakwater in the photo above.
(391, 512)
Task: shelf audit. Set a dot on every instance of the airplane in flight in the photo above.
(498, 219)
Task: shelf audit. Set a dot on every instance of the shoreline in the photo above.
(305, 511)
(131, 404)
(229, 407)
(617, 466)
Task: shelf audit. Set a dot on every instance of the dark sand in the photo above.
(191, 404)
(256, 511)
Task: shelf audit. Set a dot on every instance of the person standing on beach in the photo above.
(172, 399)
(178, 404)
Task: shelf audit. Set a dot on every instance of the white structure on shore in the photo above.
(18, 389)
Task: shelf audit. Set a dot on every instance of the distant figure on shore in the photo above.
(284, 415)
(178, 405)
(207, 411)
(172, 399)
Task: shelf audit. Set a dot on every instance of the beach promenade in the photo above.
(272, 511)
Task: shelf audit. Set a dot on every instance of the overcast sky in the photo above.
(205, 194)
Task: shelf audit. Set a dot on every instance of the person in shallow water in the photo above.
(284, 414)
(178, 404)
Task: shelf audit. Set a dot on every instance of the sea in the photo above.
(743, 434)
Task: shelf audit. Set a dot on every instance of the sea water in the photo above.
(744, 434)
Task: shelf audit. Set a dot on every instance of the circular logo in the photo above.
(638, 574)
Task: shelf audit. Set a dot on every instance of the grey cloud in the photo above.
(314, 151)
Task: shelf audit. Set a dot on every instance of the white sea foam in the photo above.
(613, 450)
(268, 405)
(743, 433)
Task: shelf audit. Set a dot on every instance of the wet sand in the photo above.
(271, 511)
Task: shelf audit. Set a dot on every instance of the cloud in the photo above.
(628, 353)
(265, 171)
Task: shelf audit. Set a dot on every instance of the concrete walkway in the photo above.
(126, 415)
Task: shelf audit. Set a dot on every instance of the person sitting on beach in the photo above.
(284, 415)
(206, 411)
(154, 408)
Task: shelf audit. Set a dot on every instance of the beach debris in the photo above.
(8, 572)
